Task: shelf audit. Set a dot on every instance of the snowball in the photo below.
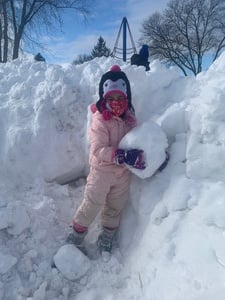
(149, 137)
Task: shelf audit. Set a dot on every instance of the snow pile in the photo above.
(207, 127)
(172, 232)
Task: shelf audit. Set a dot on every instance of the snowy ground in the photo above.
(172, 237)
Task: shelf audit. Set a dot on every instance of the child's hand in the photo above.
(133, 158)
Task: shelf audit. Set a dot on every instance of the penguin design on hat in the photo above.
(114, 81)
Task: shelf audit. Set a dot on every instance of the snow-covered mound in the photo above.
(172, 231)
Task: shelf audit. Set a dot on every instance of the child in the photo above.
(109, 179)
(141, 59)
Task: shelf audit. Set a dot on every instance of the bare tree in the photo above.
(186, 32)
(20, 18)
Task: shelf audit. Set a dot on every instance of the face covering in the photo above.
(118, 107)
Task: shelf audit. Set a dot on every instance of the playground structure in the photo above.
(122, 51)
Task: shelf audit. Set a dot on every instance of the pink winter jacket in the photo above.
(104, 138)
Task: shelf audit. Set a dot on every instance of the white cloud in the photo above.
(63, 51)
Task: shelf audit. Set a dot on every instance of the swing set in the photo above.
(121, 51)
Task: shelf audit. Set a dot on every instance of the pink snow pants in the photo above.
(105, 192)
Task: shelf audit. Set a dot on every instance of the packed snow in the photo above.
(154, 146)
(172, 233)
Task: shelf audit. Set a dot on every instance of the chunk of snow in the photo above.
(7, 261)
(71, 262)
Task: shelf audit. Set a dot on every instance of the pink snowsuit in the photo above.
(107, 183)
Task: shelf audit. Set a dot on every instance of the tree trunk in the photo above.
(5, 33)
(16, 46)
(1, 38)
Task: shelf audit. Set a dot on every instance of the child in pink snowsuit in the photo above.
(109, 179)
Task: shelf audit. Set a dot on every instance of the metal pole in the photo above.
(124, 39)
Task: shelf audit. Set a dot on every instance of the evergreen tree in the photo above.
(100, 49)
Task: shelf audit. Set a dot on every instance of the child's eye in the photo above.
(120, 98)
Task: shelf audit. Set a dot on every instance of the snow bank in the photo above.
(172, 231)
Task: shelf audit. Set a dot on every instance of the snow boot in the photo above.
(77, 239)
(106, 240)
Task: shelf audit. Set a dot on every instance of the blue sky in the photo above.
(79, 37)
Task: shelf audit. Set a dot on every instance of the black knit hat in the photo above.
(114, 75)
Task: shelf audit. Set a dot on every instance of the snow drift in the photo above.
(172, 232)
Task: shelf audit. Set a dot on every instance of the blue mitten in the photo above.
(133, 158)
